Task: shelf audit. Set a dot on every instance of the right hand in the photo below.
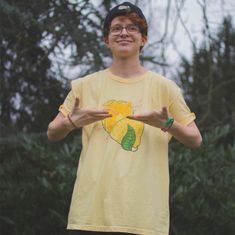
(82, 117)
(153, 118)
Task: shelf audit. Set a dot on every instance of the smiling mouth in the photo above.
(123, 41)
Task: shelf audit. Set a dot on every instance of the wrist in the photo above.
(68, 125)
(168, 124)
(74, 125)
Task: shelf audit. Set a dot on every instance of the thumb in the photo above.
(76, 104)
(164, 111)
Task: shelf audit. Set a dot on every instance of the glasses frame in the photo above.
(127, 28)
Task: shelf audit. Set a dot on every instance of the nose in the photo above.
(124, 31)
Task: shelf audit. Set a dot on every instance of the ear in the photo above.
(144, 40)
(106, 41)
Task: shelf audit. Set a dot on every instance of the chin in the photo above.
(124, 53)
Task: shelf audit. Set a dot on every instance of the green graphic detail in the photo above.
(120, 128)
(129, 139)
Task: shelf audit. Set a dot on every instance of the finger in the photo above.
(138, 117)
(142, 115)
(100, 118)
(102, 115)
(164, 111)
(76, 103)
(133, 116)
(96, 112)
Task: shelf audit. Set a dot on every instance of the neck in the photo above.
(127, 67)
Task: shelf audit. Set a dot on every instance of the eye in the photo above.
(133, 28)
(117, 28)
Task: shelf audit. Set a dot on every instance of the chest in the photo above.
(138, 97)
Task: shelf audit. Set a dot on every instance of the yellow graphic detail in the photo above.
(124, 131)
(119, 110)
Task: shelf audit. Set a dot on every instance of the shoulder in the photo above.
(162, 82)
(90, 78)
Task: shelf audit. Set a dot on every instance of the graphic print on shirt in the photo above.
(123, 130)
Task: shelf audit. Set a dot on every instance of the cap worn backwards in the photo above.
(121, 9)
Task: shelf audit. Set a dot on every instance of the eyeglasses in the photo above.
(131, 29)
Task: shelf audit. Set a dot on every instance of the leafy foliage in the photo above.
(209, 80)
(203, 187)
(36, 177)
(36, 181)
(33, 36)
(27, 88)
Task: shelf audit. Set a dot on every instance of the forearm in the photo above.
(188, 135)
(59, 128)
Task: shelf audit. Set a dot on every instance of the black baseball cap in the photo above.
(121, 9)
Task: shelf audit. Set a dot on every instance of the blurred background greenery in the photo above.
(36, 177)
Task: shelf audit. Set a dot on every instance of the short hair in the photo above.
(133, 17)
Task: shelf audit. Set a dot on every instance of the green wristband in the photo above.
(168, 124)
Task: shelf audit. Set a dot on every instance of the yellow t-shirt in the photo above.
(122, 180)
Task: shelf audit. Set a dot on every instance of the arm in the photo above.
(61, 126)
(188, 135)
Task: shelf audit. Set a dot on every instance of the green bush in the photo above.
(37, 177)
(36, 181)
(203, 187)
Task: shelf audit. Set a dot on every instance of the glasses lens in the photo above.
(117, 29)
(132, 28)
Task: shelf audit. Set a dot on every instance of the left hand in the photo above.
(153, 118)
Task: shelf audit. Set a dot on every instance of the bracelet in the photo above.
(169, 122)
(73, 124)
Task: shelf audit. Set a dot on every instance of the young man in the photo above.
(128, 115)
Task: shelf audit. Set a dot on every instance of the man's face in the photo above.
(124, 39)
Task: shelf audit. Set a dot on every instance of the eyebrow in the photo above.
(121, 25)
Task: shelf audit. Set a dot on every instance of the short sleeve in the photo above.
(76, 91)
(178, 107)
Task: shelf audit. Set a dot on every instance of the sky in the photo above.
(190, 23)
(184, 26)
